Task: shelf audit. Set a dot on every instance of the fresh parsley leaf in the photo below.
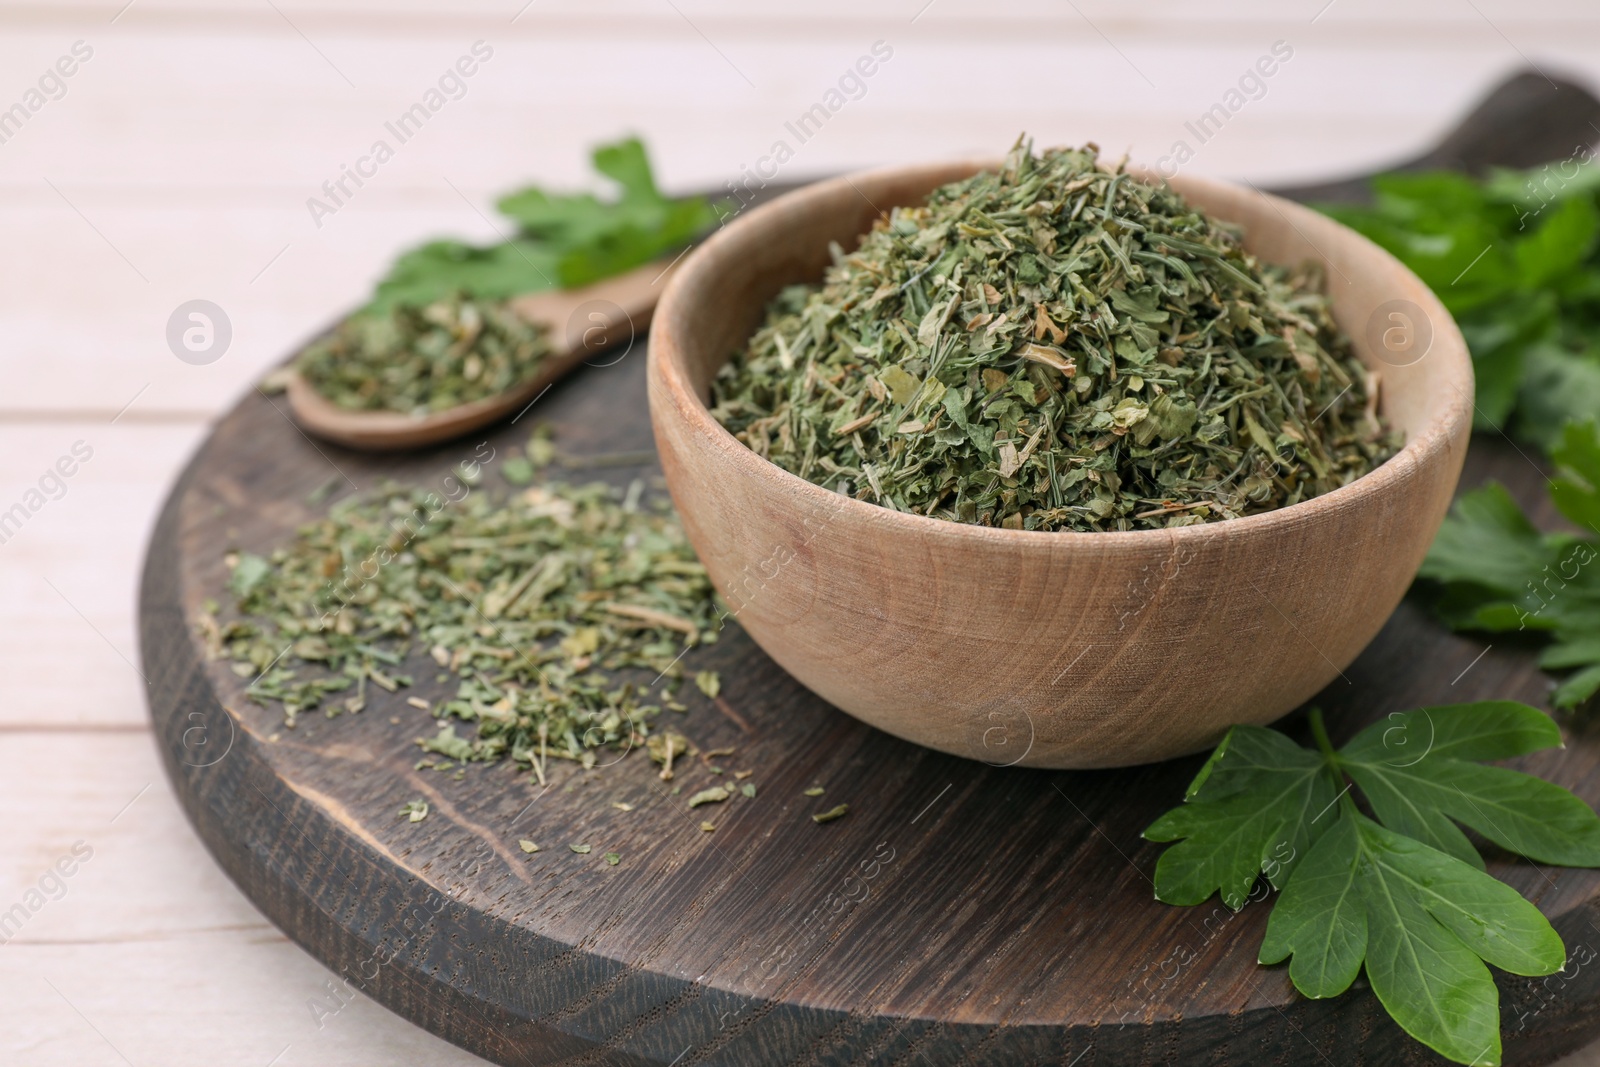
(1558, 245)
(1400, 892)
(1557, 384)
(1252, 808)
(1576, 490)
(1487, 542)
(1423, 924)
(564, 240)
(1515, 258)
(1498, 573)
(439, 269)
(598, 238)
(1418, 771)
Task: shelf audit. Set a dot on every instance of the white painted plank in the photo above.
(179, 165)
(69, 565)
(1148, 16)
(146, 953)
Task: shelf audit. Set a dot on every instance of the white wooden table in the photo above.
(176, 163)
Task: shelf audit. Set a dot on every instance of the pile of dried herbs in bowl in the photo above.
(529, 604)
(1056, 346)
(427, 358)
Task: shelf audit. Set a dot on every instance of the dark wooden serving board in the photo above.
(961, 913)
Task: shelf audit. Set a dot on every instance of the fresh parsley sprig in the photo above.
(563, 240)
(1515, 257)
(1399, 889)
(1499, 574)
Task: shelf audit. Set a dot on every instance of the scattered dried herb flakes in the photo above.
(831, 814)
(666, 748)
(526, 602)
(715, 795)
(415, 810)
(1052, 346)
(709, 683)
(613, 858)
(528, 846)
(517, 470)
(748, 789)
(582, 850)
(708, 827)
(814, 791)
(418, 360)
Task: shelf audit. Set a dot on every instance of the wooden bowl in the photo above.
(1054, 649)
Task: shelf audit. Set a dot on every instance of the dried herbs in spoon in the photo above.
(422, 359)
(1053, 346)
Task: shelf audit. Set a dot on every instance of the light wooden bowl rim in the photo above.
(1432, 445)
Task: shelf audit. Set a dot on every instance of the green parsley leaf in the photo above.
(439, 269)
(1401, 892)
(1515, 258)
(1423, 923)
(1416, 770)
(1558, 245)
(597, 238)
(1487, 542)
(1576, 491)
(1253, 807)
(1499, 574)
(565, 240)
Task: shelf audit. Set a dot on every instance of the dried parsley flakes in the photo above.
(528, 603)
(714, 795)
(414, 810)
(831, 814)
(1052, 346)
(422, 359)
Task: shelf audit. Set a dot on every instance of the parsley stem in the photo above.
(1331, 755)
(1320, 732)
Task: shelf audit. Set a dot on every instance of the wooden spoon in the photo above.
(581, 323)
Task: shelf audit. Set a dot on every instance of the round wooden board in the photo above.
(959, 913)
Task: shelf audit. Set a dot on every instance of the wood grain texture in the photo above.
(1103, 649)
(959, 913)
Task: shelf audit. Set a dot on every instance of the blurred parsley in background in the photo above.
(563, 241)
(1514, 258)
